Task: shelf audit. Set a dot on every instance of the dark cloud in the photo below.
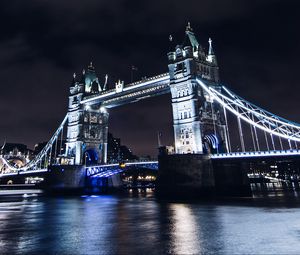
(43, 42)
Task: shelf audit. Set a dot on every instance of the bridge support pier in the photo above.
(198, 176)
(66, 179)
(185, 175)
(71, 180)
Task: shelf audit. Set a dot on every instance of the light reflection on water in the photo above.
(141, 224)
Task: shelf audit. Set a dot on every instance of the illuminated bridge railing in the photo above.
(276, 153)
(136, 89)
(112, 169)
(22, 172)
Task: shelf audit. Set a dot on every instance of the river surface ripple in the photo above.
(138, 223)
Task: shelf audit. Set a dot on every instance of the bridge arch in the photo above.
(90, 157)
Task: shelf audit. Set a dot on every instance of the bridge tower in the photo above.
(87, 124)
(198, 121)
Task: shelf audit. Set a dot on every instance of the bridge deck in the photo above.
(251, 154)
(133, 92)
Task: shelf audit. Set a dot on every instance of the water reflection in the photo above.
(185, 231)
(139, 224)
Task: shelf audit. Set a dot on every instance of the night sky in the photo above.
(42, 43)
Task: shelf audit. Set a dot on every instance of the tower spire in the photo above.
(188, 27)
(73, 80)
(210, 50)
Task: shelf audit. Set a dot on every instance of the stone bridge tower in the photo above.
(87, 124)
(198, 122)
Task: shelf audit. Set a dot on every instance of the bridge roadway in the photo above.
(94, 171)
(112, 169)
(133, 92)
(257, 154)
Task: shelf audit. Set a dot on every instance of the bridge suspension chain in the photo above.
(40, 160)
(255, 116)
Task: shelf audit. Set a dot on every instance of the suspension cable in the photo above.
(281, 146)
(61, 140)
(241, 134)
(267, 143)
(214, 124)
(55, 152)
(227, 131)
(296, 145)
(272, 140)
(253, 141)
(290, 145)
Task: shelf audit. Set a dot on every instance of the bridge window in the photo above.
(179, 66)
(86, 118)
(185, 115)
(93, 119)
(186, 135)
(75, 100)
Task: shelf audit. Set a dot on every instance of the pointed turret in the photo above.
(211, 57)
(171, 53)
(105, 82)
(210, 50)
(91, 67)
(82, 80)
(74, 80)
(190, 39)
(91, 80)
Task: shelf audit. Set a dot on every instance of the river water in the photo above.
(138, 223)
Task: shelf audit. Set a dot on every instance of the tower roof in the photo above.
(190, 39)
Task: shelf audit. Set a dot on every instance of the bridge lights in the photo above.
(122, 165)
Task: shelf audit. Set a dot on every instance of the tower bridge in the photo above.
(203, 112)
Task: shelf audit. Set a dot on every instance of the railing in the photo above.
(127, 87)
(256, 154)
(110, 169)
(22, 172)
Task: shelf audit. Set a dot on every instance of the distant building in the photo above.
(13, 148)
(16, 153)
(117, 152)
(59, 146)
